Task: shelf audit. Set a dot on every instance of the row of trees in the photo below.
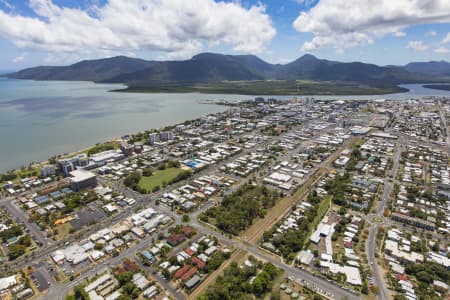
(132, 180)
(101, 147)
(8, 177)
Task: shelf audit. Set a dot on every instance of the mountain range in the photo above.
(207, 68)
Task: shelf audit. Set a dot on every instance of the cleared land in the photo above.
(158, 178)
(270, 87)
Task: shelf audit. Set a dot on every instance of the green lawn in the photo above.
(323, 208)
(158, 177)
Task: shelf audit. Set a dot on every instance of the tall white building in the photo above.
(153, 138)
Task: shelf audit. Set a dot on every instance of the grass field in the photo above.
(63, 231)
(158, 178)
(323, 208)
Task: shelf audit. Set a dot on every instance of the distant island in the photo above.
(270, 87)
(443, 87)
(244, 74)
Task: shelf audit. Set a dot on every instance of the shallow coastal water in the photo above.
(39, 119)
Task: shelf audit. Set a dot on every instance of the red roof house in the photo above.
(189, 251)
(198, 262)
(189, 274)
(181, 271)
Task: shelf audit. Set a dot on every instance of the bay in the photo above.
(39, 119)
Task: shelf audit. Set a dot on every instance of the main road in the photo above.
(371, 245)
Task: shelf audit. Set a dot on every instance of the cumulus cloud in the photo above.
(417, 46)
(172, 26)
(431, 33)
(347, 23)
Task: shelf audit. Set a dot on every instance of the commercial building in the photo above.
(82, 179)
(100, 159)
(67, 165)
(126, 149)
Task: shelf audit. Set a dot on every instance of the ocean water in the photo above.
(39, 119)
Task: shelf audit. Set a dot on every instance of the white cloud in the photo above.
(347, 23)
(337, 42)
(20, 58)
(172, 26)
(399, 34)
(431, 33)
(417, 46)
(442, 50)
(446, 40)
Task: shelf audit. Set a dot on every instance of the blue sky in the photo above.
(60, 32)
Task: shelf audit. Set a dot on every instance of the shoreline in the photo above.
(85, 149)
(82, 149)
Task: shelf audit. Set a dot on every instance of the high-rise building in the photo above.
(166, 136)
(47, 170)
(153, 138)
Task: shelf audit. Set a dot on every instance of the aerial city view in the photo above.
(224, 150)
